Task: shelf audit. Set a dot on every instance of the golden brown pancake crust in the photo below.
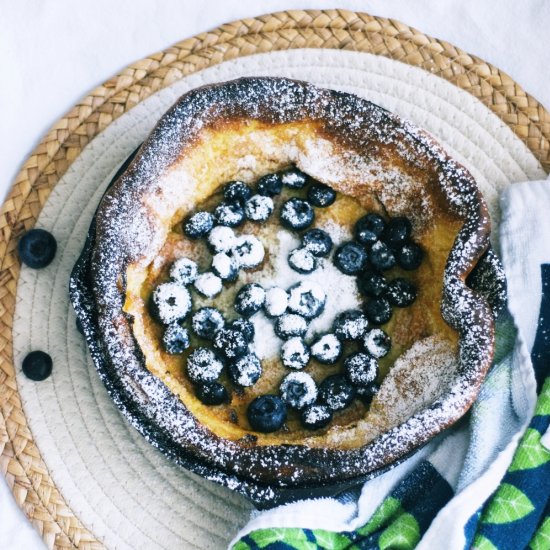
(242, 130)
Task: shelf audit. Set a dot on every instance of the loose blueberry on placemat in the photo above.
(37, 365)
(37, 248)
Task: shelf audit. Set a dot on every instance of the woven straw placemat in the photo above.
(20, 461)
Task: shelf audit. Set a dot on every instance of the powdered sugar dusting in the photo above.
(354, 152)
(341, 290)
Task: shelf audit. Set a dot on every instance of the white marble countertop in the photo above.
(54, 51)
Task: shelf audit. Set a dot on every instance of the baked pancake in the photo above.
(368, 162)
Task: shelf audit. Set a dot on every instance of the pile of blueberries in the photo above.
(378, 246)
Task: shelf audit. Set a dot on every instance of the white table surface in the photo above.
(54, 51)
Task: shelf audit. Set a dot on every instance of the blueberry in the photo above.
(245, 327)
(315, 417)
(378, 310)
(206, 322)
(381, 256)
(401, 292)
(37, 248)
(317, 241)
(267, 413)
(307, 299)
(294, 178)
(246, 370)
(350, 258)
(298, 390)
(361, 368)
(269, 185)
(230, 343)
(229, 214)
(198, 225)
(369, 228)
(258, 208)
(377, 343)
(248, 251)
(367, 393)
(372, 283)
(37, 365)
(225, 266)
(321, 195)
(184, 271)
(237, 191)
(170, 302)
(221, 239)
(302, 261)
(290, 325)
(208, 284)
(212, 393)
(276, 301)
(249, 299)
(175, 339)
(409, 256)
(295, 353)
(397, 232)
(203, 365)
(297, 214)
(327, 349)
(350, 325)
(336, 392)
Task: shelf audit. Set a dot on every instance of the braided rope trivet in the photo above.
(20, 460)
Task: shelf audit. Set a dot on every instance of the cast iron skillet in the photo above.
(487, 278)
